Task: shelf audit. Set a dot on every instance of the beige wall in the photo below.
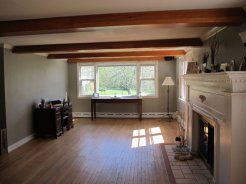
(28, 78)
(149, 105)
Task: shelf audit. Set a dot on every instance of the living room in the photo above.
(38, 63)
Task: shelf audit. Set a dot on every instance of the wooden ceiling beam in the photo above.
(198, 17)
(116, 59)
(118, 54)
(184, 42)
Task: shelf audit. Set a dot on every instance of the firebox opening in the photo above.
(206, 142)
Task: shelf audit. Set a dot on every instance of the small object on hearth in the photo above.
(183, 156)
(176, 156)
(177, 139)
(189, 157)
(181, 149)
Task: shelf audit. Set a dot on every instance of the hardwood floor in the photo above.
(103, 151)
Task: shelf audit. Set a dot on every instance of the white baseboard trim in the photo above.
(122, 115)
(20, 142)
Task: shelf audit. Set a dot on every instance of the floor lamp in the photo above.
(168, 81)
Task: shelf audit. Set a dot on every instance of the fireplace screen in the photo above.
(206, 146)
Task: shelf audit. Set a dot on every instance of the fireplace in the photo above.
(214, 123)
(206, 142)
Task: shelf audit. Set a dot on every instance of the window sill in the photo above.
(89, 97)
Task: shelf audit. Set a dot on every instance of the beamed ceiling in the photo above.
(110, 30)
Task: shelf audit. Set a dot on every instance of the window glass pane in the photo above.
(148, 88)
(87, 72)
(117, 80)
(182, 71)
(147, 72)
(86, 87)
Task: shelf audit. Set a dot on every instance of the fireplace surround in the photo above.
(220, 98)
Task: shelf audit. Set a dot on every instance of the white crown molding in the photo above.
(234, 82)
(211, 33)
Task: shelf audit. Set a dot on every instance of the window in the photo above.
(182, 71)
(147, 80)
(86, 80)
(117, 79)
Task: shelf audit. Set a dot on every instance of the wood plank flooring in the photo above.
(103, 151)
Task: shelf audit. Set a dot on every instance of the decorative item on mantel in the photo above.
(193, 67)
(231, 66)
(214, 44)
(205, 57)
(242, 66)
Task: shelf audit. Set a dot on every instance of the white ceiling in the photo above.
(30, 9)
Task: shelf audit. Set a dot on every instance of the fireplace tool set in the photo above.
(181, 150)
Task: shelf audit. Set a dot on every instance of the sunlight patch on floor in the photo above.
(157, 139)
(138, 142)
(140, 132)
(154, 136)
(155, 130)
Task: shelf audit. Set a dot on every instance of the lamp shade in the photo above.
(168, 81)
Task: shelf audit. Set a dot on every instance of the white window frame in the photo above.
(78, 79)
(155, 79)
(182, 71)
(96, 78)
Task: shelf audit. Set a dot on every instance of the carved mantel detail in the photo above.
(233, 82)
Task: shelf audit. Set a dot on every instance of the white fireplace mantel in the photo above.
(222, 81)
(221, 97)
